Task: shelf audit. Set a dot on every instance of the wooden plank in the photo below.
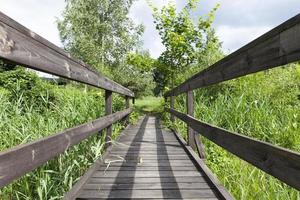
(150, 157)
(172, 101)
(145, 186)
(219, 189)
(22, 46)
(145, 174)
(73, 193)
(145, 148)
(145, 168)
(21, 159)
(276, 161)
(150, 163)
(278, 47)
(142, 153)
(142, 180)
(147, 194)
(108, 111)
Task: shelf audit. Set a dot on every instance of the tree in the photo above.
(137, 73)
(141, 61)
(185, 41)
(99, 32)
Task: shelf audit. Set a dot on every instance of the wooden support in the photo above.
(172, 118)
(108, 111)
(281, 163)
(193, 138)
(127, 104)
(190, 111)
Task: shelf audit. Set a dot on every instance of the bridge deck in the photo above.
(147, 162)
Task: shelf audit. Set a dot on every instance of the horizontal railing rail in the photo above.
(21, 159)
(278, 162)
(278, 47)
(21, 46)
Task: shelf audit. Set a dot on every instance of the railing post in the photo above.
(193, 138)
(172, 118)
(127, 105)
(108, 111)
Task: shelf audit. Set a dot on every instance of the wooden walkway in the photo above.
(147, 162)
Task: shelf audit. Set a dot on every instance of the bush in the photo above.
(27, 88)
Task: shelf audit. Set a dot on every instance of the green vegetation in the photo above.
(150, 105)
(265, 106)
(31, 109)
(189, 45)
(100, 33)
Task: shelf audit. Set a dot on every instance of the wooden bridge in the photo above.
(148, 161)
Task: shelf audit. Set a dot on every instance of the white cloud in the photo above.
(39, 16)
(235, 37)
(237, 22)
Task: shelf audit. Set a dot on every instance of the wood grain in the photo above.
(144, 174)
(108, 111)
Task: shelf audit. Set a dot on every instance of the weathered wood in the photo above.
(24, 47)
(193, 138)
(199, 146)
(145, 186)
(108, 111)
(278, 47)
(135, 170)
(145, 174)
(127, 105)
(190, 111)
(276, 161)
(21, 159)
(145, 168)
(219, 189)
(172, 106)
(147, 194)
(142, 180)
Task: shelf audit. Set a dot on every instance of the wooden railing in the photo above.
(278, 47)
(23, 47)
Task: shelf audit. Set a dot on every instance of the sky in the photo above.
(237, 22)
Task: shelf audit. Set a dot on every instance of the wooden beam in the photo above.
(21, 159)
(278, 47)
(193, 138)
(190, 111)
(172, 106)
(127, 105)
(276, 161)
(108, 111)
(21, 46)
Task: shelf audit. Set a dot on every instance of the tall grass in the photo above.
(265, 106)
(21, 121)
(150, 105)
